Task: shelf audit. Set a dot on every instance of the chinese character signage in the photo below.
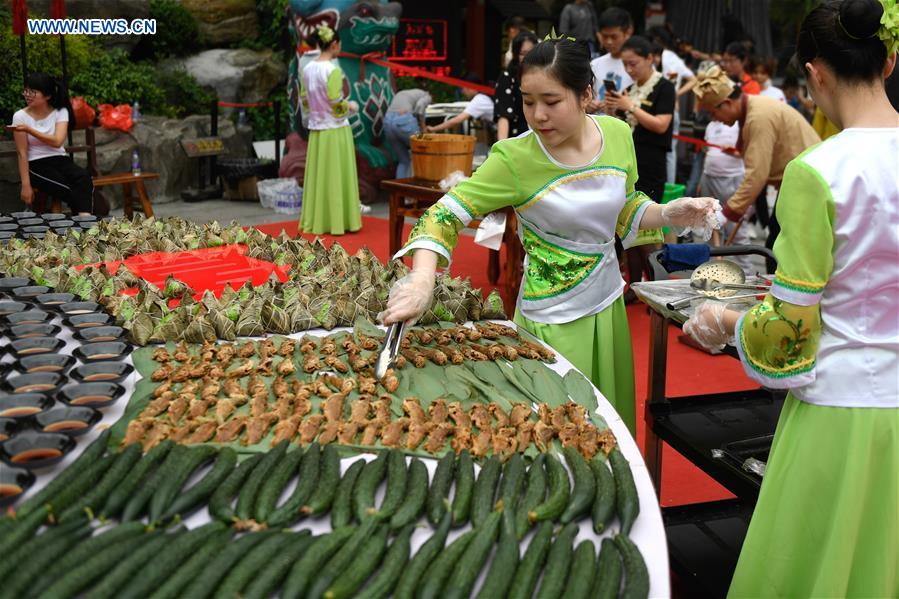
(420, 40)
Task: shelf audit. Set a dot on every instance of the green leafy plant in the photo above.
(272, 15)
(263, 119)
(183, 95)
(111, 78)
(177, 31)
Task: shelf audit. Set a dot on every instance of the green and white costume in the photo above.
(568, 217)
(827, 520)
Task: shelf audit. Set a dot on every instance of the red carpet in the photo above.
(690, 372)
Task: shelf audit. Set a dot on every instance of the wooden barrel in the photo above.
(436, 155)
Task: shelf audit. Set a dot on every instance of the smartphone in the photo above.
(610, 85)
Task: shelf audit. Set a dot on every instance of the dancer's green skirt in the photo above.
(827, 519)
(600, 347)
(330, 185)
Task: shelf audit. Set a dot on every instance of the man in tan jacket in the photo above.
(772, 133)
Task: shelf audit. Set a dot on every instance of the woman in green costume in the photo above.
(827, 519)
(330, 184)
(571, 181)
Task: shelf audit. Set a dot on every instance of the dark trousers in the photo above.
(60, 177)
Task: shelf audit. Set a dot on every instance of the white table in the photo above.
(648, 532)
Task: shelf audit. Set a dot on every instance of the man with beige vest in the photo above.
(772, 133)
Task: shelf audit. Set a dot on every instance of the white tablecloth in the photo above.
(648, 532)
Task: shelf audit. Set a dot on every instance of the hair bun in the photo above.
(860, 19)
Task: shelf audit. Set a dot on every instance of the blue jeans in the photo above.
(398, 128)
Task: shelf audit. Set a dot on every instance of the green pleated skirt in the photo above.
(827, 520)
(600, 347)
(330, 184)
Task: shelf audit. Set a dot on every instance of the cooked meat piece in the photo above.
(417, 433)
(559, 418)
(438, 412)
(158, 432)
(357, 362)
(158, 405)
(444, 337)
(329, 432)
(161, 355)
(494, 352)
(163, 388)
(521, 412)
(486, 331)
(265, 366)
(349, 344)
(332, 408)
(461, 439)
(337, 364)
(472, 353)
(311, 363)
(370, 433)
(309, 428)
(258, 405)
(347, 385)
(280, 387)
(234, 390)
(481, 443)
(412, 408)
(217, 372)
(322, 389)
(286, 429)
(347, 431)
(328, 348)
(359, 410)
(502, 419)
(256, 386)
(223, 409)
(136, 430)
(308, 345)
(190, 387)
(543, 435)
(245, 368)
(417, 359)
(211, 389)
(198, 408)
(266, 348)
(178, 407)
(391, 382)
(458, 414)
(246, 350)
(588, 442)
(230, 431)
(369, 343)
(226, 353)
(181, 354)
(302, 405)
(437, 437)
(436, 356)
(569, 435)
(576, 413)
(199, 371)
(480, 417)
(286, 366)
(178, 434)
(284, 406)
(607, 441)
(525, 435)
(288, 346)
(455, 356)
(182, 373)
(392, 434)
(424, 336)
(258, 428)
(505, 442)
(527, 352)
(162, 373)
(502, 330)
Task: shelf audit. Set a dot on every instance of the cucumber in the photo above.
(179, 549)
(627, 503)
(180, 473)
(559, 491)
(181, 576)
(604, 503)
(369, 557)
(196, 496)
(209, 577)
(510, 485)
(584, 490)
(342, 506)
(485, 491)
(558, 563)
(32, 548)
(136, 505)
(269, 579)
(396, 484)
(239, 577)
(326, 486)
(464, 488)
(367, 485)
(79, 487)
(64, 479)
(128, 565)
(390, 569)
(438, 573)
(504, 564)
(440, 488)
(405, 588)
(274, 485)
(23, 529)
(636, 576)
(313, 559)
(85, 550)
(608, 571)
(246, 501)
(467, 569)
(96, 497)
(532, 562)
(416, 494)
(582, 573)
(341, 561)
(534, 495)
(220, 502)
(307, 480)
(36, 567)
(116, 501)
(78, 578)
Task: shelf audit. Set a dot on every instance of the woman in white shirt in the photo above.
(762, 70)
(40, 130)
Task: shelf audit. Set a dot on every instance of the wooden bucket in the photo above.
(436, 155)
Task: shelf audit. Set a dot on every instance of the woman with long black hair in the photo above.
(507, 107)
(40, 131)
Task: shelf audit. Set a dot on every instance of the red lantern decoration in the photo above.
(19, 17)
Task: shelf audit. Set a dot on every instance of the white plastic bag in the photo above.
(452, 179)
(284, 196)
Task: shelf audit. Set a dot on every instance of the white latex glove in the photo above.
(706, 326)
(409, 298)
(700, 216)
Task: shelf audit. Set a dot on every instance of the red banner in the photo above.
(58, 9)
(19, 17)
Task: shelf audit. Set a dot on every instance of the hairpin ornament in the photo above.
(325, 33)
(553, 37)
(889, 26)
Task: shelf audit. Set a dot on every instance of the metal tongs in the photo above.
(392, 341)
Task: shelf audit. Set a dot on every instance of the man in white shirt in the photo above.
(479, 107)
(615, 27)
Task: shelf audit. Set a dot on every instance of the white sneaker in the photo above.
(364, 208)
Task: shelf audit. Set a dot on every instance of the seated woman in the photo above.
(40, 131)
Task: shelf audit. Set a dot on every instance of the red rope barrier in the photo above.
(697, 142)
(373, 57)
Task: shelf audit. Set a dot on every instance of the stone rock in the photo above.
(241, 75)
(157, 139)
(294, 162)
(224, 21)
(100, 9)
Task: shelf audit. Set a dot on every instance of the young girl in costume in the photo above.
(827, 519)
(571, 181)
(330, 184)
(40, 131)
